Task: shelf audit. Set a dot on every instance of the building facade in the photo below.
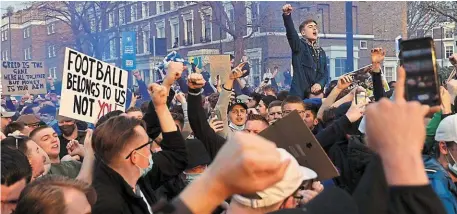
(27, 36)
(191, 28)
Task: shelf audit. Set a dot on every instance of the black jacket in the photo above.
(114, 195)
(305, 74)
(200, 126)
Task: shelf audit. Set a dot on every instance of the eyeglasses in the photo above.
(142, 146)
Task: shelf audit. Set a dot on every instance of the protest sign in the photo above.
(91, 88)
(20, 77)
(291, 134)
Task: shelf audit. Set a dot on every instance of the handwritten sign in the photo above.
(91, 88)
(20, 77)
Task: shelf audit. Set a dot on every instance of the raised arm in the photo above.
(202, 130)
(291, 33)
(377, 57)
(343, 83)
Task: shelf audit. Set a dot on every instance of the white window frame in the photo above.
(173, 6)
(146, 37)
(26, 32)
(174, 21)
(249, 20)
(3, 36)
(145, 9)
(446, 31)
(389, 75)
(112, 46)
(110, 19)
(93, 26)
(160, 28)
(446, 49)
(27, 53)
(227, 7)
(159, 7)
(51, 28)
(52, 72)
(363, 47)
(203, 13)
(121, 17)
(133, 12)
(186, 17)
(5, 55)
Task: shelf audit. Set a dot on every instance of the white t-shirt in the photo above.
(144, 199)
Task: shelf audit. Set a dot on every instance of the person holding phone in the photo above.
(308, 59)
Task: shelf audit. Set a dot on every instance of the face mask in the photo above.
(191, 177)
(235, 127)
(67, 130)
(143, 172)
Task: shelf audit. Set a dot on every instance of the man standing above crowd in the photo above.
(308, 59)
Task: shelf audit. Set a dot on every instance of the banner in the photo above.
(20, 77)
(91, 88)
(128, 50)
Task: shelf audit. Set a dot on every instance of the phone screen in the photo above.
(419, 62)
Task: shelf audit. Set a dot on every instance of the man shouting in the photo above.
(308, 59)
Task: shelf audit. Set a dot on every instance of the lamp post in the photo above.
(10, 11)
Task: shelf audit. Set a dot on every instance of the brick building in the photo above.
(189, 30)
(445, 37)
(27, 35)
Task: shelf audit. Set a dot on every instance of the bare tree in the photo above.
(235, 24)
(447, 9)
(420, 19)
(87, 20)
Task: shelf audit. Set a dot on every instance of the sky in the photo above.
(18, 5)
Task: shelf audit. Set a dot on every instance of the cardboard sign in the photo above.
(91, 88)
(20, 77)
(291, 134)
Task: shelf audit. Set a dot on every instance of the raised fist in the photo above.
(287, 9)
(158, 94)
(377, 57)
(174, 72)
(195, 81)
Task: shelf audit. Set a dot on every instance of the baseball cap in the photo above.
(237, 102)
(447, 129)
(5, 114)
(293, 178)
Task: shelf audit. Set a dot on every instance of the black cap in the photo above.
(196, 154)
(237, 102)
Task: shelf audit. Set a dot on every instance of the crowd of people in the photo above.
(190, 151)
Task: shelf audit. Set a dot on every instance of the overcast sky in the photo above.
(18, 5)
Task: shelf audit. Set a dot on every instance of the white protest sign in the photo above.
(20, 77)
(91, 88)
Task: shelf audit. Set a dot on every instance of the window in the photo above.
(146, 38)
(27, 32)
(112, 47)
(145, 9)
(449, 50)
(174, 5)
(4, 35)
(340, 66)
(51, 51)
(255, 16)
(133, 12)
(110, 19)
(208, 28)
(448, 33)
(139, 42)
(121, 16)
(363, 45)
(5, 55)
(51, 28)
(159, 6)
(174, 32)
(92, 25)
(389, 73)
(28, 53)
(189, 34)
(52, 72)
(160, 29)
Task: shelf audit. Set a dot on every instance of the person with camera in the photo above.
(308, 59)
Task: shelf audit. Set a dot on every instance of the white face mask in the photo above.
(145, 171)
(235, 127)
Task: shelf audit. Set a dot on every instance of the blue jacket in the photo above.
(442, 184)
(306, 71)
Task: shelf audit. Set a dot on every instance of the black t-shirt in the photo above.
(64, 142)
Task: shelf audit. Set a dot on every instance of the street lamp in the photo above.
(9, 13)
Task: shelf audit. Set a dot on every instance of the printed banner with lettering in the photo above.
(91, 88)
(20, 77)
(129, 50)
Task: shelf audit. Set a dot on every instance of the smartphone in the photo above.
(266, 80)
(360, 98)
(419, 61)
